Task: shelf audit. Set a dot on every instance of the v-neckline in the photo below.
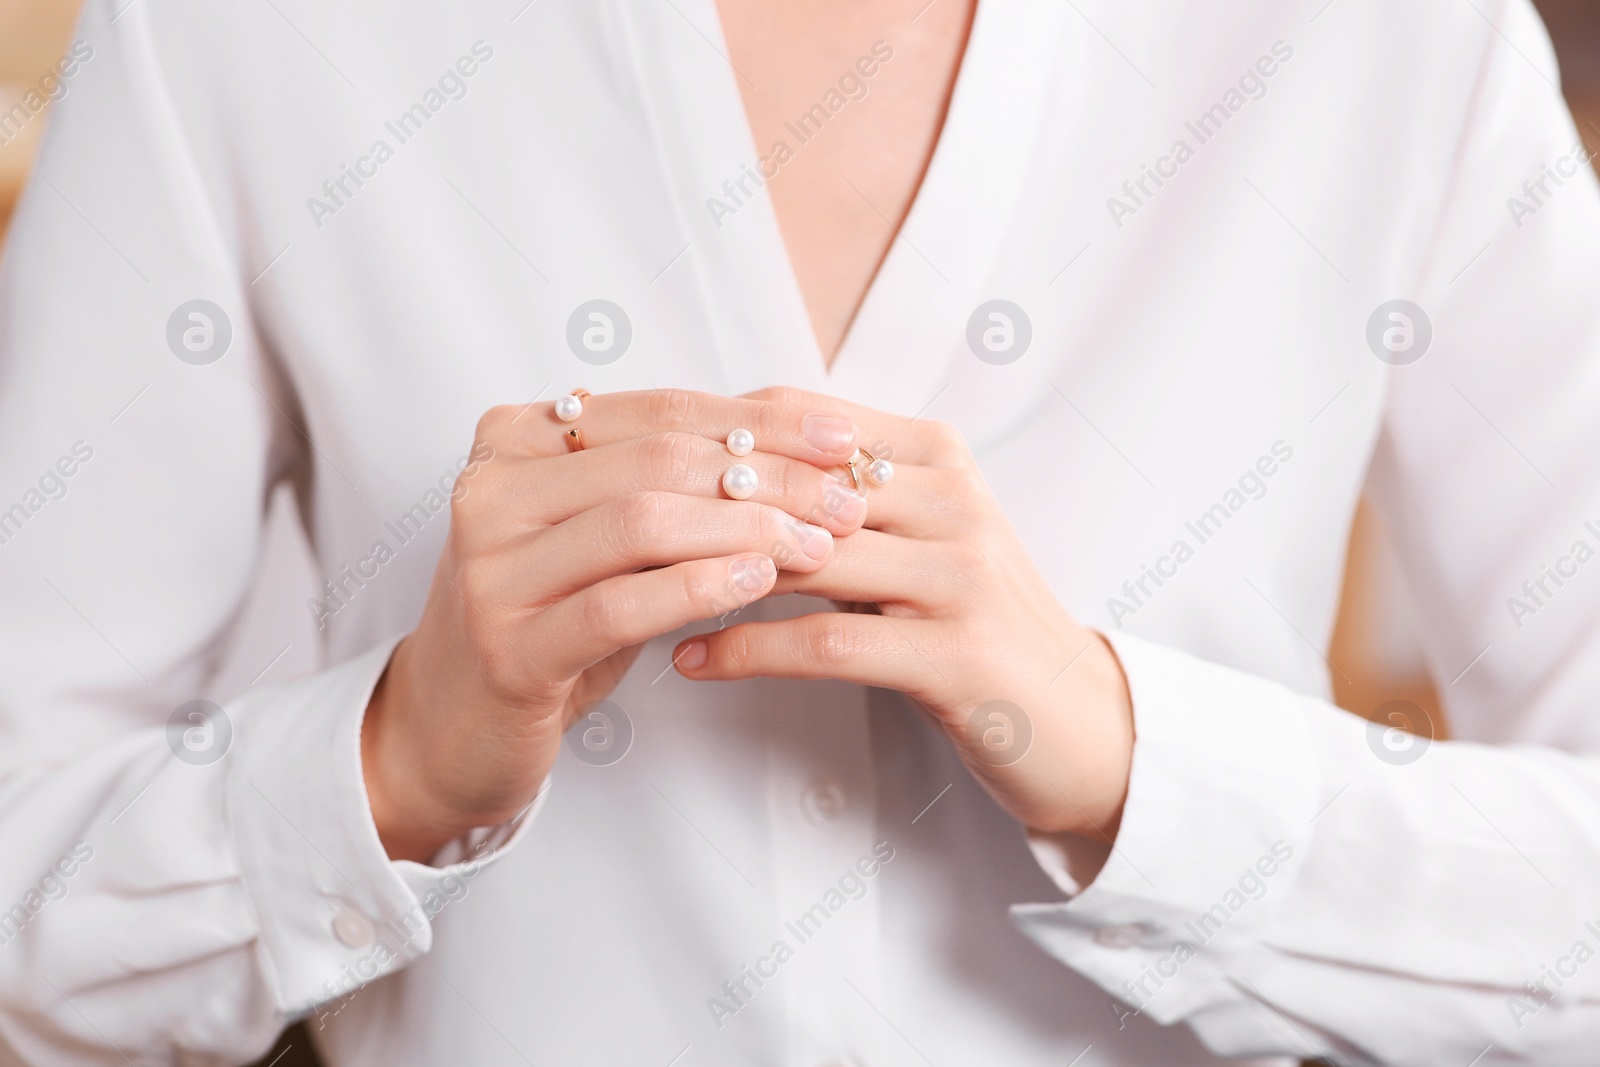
(911, 322)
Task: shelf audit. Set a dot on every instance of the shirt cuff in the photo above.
(333, 910)
(1221, 797)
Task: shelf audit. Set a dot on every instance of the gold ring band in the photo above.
(850, 465)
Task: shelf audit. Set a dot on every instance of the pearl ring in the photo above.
(740, 482)
(569, 407)
(878, 471)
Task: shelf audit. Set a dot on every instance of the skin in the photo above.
(559, 566)
(842, 198)
(963, 619)
(541, 597)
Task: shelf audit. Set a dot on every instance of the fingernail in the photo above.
(828, 433)
(693, 656)
(844, 503)
(815, 541)
(752, 574)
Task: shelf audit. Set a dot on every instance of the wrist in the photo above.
(1093, 738)
(408, 825)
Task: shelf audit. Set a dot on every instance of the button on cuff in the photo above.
(351, 927)
(1126, 936)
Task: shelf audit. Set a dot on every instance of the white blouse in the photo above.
(397, 215)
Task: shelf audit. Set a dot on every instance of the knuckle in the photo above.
(782, 395)
(694, 587)
(668, 408)
(957, 497)
(475, 483)
(829, 640)
(786, 482)
(969, 483)
(491, 422)
(608, 614)
(972, 561)
(639, 523)
(476, 582)
(505, 664)
(735, 648)
(700, 592)
(488, 506)
(966, 487)
(669, 458)
(947, 442)
(495, 429)
(766, 527)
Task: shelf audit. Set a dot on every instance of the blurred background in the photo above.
(1376, 655)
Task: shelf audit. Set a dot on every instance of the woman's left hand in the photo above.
(1036, 704)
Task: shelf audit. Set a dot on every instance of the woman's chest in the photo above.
(1155, 401)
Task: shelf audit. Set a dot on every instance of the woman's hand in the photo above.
(1036, 704)
(559, 565)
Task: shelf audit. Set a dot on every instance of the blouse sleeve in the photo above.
(179, 879)
(1291, 880)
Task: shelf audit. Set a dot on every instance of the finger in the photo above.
(661, 529)
(567, 485)
(875, 650)
(813, 435)
(880, 569)
(929, 502)
(922, 441)
(629, 609)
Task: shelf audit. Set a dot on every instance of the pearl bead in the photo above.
(569, 408)
(880, 472)
(741, 442)
(740, 482)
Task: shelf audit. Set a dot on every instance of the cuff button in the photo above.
(353, 929)
(1119, 936)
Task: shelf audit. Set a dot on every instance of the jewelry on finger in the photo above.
(741, 442)
(879, 471)
(855, 475)
(574, 439)
(740, 482)
(569, 407)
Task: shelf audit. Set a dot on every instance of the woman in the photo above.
(1053, 344)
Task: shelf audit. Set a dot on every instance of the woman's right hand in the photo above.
(559, 565)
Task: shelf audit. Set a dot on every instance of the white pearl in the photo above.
(741, 442)
(569, 408)
(740, 482)
(880, 472)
